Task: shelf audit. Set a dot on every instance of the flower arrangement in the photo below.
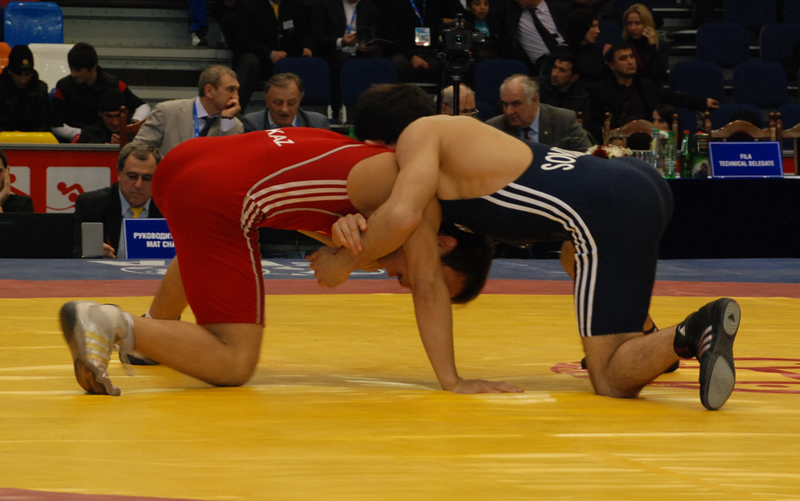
(609, 151)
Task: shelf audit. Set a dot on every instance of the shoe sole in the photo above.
(717, 371)
(92, 378)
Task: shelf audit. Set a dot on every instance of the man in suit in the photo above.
(11, 202)
(535, 28)
(282, 95)
(524, 117)
(128, 198)
(344, 29)
(213, 113)
(262, 32)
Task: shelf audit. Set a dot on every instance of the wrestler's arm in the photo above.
(432, 307)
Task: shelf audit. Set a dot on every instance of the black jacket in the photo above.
(512, 12)
(606, 96)
(103, 206)
(76, 104)
(576, 99)
(328, 24)
(25, 110)
(252, 28)
(18, 203)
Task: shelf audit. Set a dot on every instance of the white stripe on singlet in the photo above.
(252, 205)
(547, 206)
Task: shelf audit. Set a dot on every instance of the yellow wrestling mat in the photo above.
(345, 406)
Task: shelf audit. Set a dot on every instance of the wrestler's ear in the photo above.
(446, 244)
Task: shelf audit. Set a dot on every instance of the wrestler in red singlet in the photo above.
(216, 192)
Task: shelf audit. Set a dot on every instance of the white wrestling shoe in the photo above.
(91, 330)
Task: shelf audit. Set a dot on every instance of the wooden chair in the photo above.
(737, 126)
(634, 127)
(794, 134)
(126, 130)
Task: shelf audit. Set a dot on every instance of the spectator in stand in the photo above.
(485, 21)
(10, 202)
(213, 113)
(414, 27)
(282, 95)
(466, 99)
(198, 17)
(580, 36)
(561, 88)
(260, 33)
(534, 28)
(525, 118)
(24, 104)
(663, 116)
(629, 96)
(106, 131)
(344, 29)
(130, 197)
(652, 54)
(75, 101)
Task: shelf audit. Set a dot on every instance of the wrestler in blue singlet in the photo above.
(614, 211)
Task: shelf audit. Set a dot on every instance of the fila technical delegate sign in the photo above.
(148, 239)
(746, 159)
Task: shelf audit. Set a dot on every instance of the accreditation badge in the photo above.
(422, 36)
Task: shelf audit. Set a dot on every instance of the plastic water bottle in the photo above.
(670, 157)
(657, 152)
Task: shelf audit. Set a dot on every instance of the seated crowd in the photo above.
(574, 84)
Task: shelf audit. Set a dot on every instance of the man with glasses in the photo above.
(23, 97)
(130, 197)
(466, 99)
(533, 122)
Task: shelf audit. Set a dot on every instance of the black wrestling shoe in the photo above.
(708, 335)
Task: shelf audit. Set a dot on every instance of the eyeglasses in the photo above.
(134, 177)
(469, 113)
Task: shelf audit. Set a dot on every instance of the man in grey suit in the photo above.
(213, 113)
(282, 95)
(526, 118)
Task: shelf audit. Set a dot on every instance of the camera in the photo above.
(460, 38)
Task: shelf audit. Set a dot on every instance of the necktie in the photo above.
(548, 38)
(207, 127)
(137, 211)
(275, 7)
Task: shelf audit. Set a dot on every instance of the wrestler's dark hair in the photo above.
(472, 257)
(384, 110)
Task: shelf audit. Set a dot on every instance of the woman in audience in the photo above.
(652, 54)
(581, 34)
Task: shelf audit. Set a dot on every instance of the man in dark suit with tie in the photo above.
(526, 118)
(344, 29)
(535, 28)
(128, 198)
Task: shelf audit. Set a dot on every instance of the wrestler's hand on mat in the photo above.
(469, 386)
(346, 232)
(323, 262)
